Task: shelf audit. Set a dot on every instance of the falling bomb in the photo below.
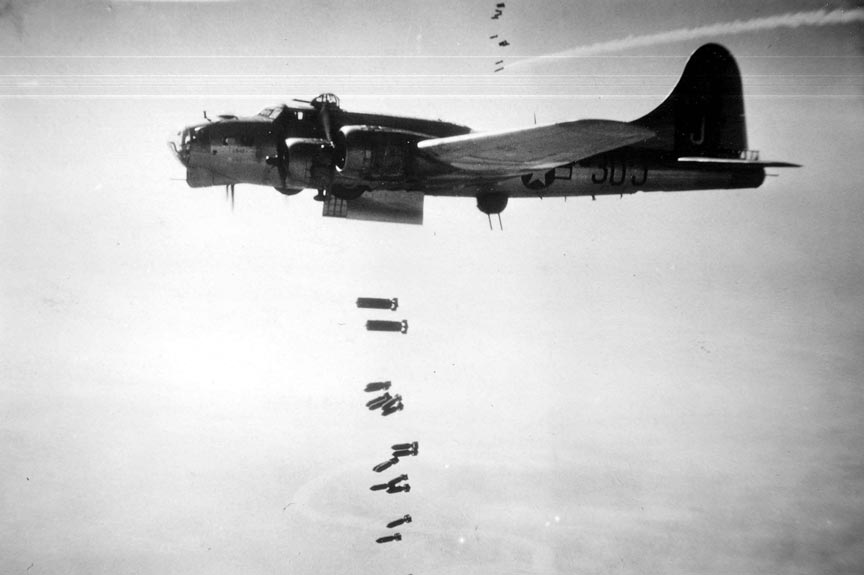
(383, 325)
(378, 303)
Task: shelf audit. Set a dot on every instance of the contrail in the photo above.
(790, 20)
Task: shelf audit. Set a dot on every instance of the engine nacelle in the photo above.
(376, 155)
(309, 161)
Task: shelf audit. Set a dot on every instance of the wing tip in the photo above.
(738, 162)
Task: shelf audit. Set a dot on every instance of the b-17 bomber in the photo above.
(380, 167)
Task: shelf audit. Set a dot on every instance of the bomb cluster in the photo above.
(502, 43)
(389, 402)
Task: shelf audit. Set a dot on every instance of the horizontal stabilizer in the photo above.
(532, 149)
(378, 206)
(738, 162)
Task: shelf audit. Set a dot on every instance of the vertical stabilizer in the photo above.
(704, 114)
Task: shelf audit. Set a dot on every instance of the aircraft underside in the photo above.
(605, 178)
(593, 177)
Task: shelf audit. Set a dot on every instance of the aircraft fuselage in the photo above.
(694, 140)
(237, 150)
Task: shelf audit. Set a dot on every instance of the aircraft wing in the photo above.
(738, 162)
(535, 148)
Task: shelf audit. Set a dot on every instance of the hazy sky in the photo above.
(668, 383)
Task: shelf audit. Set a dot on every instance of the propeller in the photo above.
(323, 104)
(324, 115)
(229, 194)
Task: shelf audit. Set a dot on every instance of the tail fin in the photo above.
(704, 114)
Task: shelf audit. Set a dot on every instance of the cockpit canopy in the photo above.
(272, 113)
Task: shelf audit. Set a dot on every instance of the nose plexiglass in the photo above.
(178, 144)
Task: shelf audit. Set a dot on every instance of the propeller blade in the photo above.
(229, 194)
(324, 103)
(325, 121)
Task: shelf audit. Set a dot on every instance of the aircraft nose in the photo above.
(178, 146)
